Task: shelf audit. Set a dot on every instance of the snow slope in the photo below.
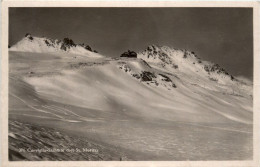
(145, 104)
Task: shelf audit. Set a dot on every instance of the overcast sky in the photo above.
(220, 35)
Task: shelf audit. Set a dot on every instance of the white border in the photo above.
(4, 84)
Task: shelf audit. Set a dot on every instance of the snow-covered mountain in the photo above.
(176, 60)
(191, 69)
(47, 45)
(166, 104)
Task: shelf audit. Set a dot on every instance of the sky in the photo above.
(220, 35)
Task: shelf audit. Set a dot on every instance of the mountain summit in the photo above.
(185, 62)
(47, 45)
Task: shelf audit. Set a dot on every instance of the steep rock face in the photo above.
(47, 45)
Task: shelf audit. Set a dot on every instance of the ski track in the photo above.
(74, 114)
(56, 110)
(66, 120)
(86, 119)
(225, 129)
(30, 106)
(212, 127)
(64, 109)
(60, 117)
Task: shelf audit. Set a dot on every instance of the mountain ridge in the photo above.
(180, 62)
(47, 45)
(171, 59)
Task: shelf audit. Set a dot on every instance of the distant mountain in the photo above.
(46, 45)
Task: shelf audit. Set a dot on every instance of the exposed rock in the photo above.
(215, 68)
(147, 76)
(213, 79)
(27, 35)
(173, 85)
(166, 78)
(49, 43)
(146, 63)
(67, 43)
(88, 48)
(175, 66)
(232, 78)
(136, 76)
(154, 52)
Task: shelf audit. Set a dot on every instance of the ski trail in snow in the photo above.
(212, 127)
(226, 129)
(39, 110)
(64, 109)
(30, 106)
(60, 117)
(36, 116)
(73, 113)
(48, 107)
(67, 120)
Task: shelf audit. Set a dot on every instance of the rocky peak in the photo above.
(43, 44)
(67, 44)
(29, 36)
(182, 60)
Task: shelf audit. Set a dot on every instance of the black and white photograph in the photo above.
(130, 84)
